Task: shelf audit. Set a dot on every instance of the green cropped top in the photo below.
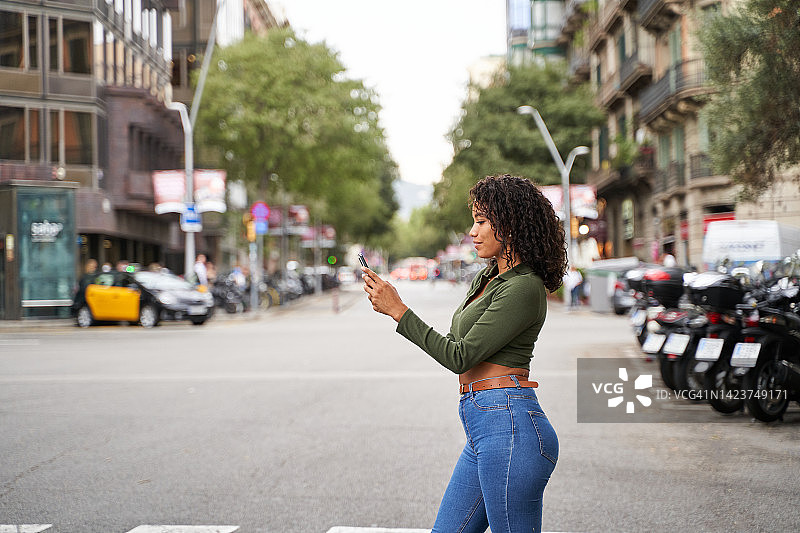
(501, 326)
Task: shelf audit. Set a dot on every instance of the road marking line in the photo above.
(24, 528)
(184, 529)
(20, 342)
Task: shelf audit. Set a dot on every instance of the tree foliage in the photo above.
(280, 114)
(752, 59)
(492, 138)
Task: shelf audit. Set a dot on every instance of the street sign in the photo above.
(262, 226)
(190, 219)
(260, 211)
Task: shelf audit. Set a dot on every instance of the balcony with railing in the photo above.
(609, 91)
(574, 15)
(659, 181)
(579, 66)
(700, 166)
(658, 15)
(610, 14)
(676, 175)
(683, 82)
(636, 70)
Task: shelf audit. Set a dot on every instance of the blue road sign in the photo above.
(190, 219)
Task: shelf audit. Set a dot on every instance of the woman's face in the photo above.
(482, 233)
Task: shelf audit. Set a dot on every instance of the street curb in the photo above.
(347, 299)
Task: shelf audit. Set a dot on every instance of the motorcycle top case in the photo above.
(635, 278)
(715, 290)
(665, 285)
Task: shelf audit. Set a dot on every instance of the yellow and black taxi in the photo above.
(143, 297)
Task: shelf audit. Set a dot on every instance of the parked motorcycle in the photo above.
(717, 294)
(768, 356)
(664, 286)
(227, 294)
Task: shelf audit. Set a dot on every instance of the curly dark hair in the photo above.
(524, 223)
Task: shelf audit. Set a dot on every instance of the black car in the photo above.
(143, 297)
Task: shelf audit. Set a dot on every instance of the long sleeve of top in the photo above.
(501, 326)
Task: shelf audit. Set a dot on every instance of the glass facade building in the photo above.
(82, 124)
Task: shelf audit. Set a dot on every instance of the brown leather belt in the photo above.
(500, 382)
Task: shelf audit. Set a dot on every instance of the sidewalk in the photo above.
(347, 296)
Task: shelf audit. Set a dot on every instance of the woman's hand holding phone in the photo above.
(383, 295)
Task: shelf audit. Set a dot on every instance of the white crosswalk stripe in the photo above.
(37, 528)
(184, 529)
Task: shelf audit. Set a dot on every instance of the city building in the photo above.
(650, 160)
(82, 126)
(532, 29)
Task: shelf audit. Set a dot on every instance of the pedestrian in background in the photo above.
(200, 270)
(572, 284)
(511, 448)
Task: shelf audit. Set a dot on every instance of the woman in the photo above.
(511, 447)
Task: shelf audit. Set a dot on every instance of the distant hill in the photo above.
(411, 195)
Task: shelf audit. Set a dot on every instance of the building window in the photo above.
(12, 133)
(77, 46)
(679, 136)
(52, 26)
(33, 42)
(603, 143)
(11, 45)
(78, 138)
(109, 58)
(664, 151)
(55, 136)
(34, 135)
(622, 126)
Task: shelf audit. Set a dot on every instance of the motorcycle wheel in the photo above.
(234, 307)
(766, 400)
(722, 387)
(685, 378)
(667, 372)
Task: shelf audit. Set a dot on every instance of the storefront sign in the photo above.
(45, 231)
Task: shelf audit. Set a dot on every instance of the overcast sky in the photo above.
(415, 54)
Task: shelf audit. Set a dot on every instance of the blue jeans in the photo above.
(500, 477)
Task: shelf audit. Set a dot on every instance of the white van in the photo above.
(744, 242)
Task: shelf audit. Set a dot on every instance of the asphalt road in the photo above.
(304, 419)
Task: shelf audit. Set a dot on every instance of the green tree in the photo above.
(419, 236)
(279, 113)
(492, 138)
(752, 60)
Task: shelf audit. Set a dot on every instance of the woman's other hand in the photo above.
(383, 295)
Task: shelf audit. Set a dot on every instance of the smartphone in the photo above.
(362, 260)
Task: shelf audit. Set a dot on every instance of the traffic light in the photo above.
(250, 226)
(251, 231)
(331, 259)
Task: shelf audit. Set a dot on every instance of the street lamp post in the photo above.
(563, 170)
